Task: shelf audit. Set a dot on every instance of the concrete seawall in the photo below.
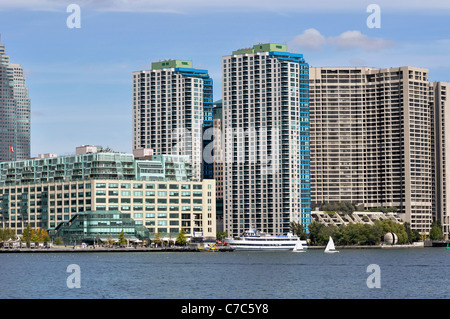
(105, 249)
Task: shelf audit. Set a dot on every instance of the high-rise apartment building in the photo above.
(441, 138)
(372, 139)
(172, 107)
(14, 111)
(266, 139)
(218, 153)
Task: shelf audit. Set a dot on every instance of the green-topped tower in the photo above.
(172, 106)
(265, 113)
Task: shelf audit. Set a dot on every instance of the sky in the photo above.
(80, 79)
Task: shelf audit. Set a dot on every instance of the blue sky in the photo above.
(80, 79)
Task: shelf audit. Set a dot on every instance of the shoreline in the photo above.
(106, 249)
(180, 249)
(372, 247)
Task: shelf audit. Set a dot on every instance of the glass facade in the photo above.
(15, 112)
(99, 226)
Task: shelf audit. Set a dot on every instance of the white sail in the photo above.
(298, 247)
(330, 246)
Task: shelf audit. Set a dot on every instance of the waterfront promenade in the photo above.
(98, 249)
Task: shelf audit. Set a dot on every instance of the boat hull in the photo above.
(272, 246)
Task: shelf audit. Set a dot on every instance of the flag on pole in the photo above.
(11, 149)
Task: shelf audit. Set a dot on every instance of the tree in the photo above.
(181, 238)
(107, 149)
(388, 226)
(157, 239)
(319, 233)
(58, 241)
(221, 235)
(7, 233)
(110, 240)
(346, 207)
(436, 231)
(26, 235)
(413, 235)
(298, 230)
(122, 238)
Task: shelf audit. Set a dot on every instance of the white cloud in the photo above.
(313, 40)
(310, 39)
(355, 39)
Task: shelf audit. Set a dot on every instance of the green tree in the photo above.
(26, 235)
(58, 241)
(346, 207)
(221, 235)
(122, 238)
(436, 231)
(157, 239)
(413, 235)
(181, 238)
(319, 233)
(7, 233)
(388, 226)
(298, 230)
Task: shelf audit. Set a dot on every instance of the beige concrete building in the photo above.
(441, 138)
(371, 139)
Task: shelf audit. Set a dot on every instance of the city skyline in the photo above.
(80, 79)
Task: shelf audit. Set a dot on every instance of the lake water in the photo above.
(403, 273)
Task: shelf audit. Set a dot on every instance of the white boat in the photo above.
(298, 248)
(254, 240)
(330, 247)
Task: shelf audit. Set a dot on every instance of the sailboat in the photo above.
(330, 247)
(298, 248)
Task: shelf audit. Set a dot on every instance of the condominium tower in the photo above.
(441, 138)
(265, 113)
(372, 140)
(14, 111)
(172, 107)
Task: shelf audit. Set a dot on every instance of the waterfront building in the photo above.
(372, 140)
(15, 111)
(158, 194)
(172, 107)
(265, 113)
(441, 138)
(218, 161)
(100, 227)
